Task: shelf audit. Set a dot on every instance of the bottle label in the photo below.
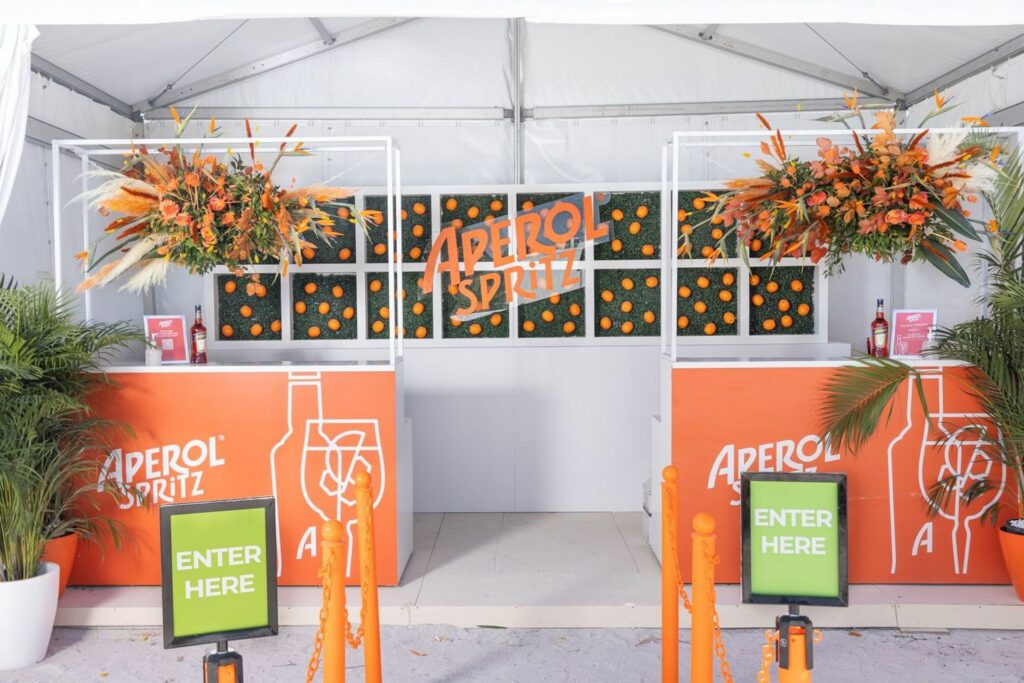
(881, 336)
(200, 342)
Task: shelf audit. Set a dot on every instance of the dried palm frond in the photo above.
(151, 273)
(112, 270)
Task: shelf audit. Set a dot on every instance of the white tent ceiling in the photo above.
(696, 12)
(445, 62)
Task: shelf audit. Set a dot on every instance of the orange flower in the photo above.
(939, 99)
(217, 203)
(192, 179)
(919, 201)
(183, 219)
(169, 209)
(82, 255)
(228, 218)
(960, 246)
(916, 218)
(373, 216)
(992, 225)
(816, 198)
(896, 216)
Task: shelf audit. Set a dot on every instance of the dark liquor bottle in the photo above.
(198, 337)
(880, 332)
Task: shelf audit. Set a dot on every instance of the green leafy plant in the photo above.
(49, 365)
(860, 396)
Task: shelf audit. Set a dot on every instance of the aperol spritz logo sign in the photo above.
(805, 454)
(161, 474)
(528, 257)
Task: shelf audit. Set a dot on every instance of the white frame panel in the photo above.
(391, 188)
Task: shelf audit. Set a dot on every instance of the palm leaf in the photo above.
(856, 396)
(943, 259)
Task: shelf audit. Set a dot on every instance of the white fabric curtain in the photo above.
(15, 62)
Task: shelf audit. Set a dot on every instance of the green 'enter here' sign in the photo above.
(794, 538)
(219, 570)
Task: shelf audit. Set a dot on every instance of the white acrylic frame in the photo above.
(672, 183)
(88, 150)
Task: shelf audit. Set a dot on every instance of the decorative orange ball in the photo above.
(309, 288)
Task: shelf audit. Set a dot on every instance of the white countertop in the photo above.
(261, 366)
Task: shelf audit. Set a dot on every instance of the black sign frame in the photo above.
(843, 599)
(166, 587)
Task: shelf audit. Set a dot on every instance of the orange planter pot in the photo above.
(61, 551)
(1013, 553)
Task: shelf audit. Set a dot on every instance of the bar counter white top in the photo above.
(258, 366)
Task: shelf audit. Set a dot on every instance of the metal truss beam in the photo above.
(693, 108)
(73, 82)
(1007, 116)
(996, 55)
(344, 113)
(345, 37)
(325, 35)
(777, 60)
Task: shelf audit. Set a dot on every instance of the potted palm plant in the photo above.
(49, 364)
(858, 397)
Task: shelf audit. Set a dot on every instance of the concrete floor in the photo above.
(445, 653)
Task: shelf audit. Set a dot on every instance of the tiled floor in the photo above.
(589, 569)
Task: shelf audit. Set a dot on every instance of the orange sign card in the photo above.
(729, 420)
(301, 436)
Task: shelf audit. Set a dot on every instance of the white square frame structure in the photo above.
(91, 150)
(673, 182)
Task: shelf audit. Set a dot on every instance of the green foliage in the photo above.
(49, 436)
(992, 345)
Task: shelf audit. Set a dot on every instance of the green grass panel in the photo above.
(693, 219)
(324, 303)
(239, 312)
(784, 307)
(417, 309)
(492, 326)
(559, 316)
(416, 235)
(623, 298)
(634, 219)
(706, 302)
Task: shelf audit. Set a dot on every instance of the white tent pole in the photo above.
(518, 153)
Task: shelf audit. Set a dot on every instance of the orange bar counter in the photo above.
(726, 417)
(298, 432)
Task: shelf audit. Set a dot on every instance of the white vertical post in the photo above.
(400, 305)
(58, 270)
(390, 223)
(85, 228)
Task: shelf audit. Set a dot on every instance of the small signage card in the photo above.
(794, 538)
(219, 571)
(170, 335)
(912, 332)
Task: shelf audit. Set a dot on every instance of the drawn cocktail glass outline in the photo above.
(330, 464)
(952, 449)
(293, 466)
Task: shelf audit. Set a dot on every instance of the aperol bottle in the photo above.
(197, 337)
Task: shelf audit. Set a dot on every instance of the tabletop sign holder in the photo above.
(219, 578)
(794, 551)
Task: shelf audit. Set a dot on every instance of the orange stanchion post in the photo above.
(368, 578)
(797, 671)
(333, 563)
(703, 584)
(669, 578)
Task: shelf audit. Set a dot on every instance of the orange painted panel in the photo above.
(728, 420)
(200, 436)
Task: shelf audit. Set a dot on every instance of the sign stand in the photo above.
(794, 552)
(794, 645)
(222, 665)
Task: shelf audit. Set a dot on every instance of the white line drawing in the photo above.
(320, 458)
(963, 458)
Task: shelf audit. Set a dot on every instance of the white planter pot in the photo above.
(29, 608)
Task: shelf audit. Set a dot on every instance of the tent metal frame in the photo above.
(518, 114)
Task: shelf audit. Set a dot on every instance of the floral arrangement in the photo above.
(887, 196)
(197, 211)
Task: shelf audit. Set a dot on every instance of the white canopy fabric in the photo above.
(891, 12)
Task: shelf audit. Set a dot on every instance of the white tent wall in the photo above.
(26, 230)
